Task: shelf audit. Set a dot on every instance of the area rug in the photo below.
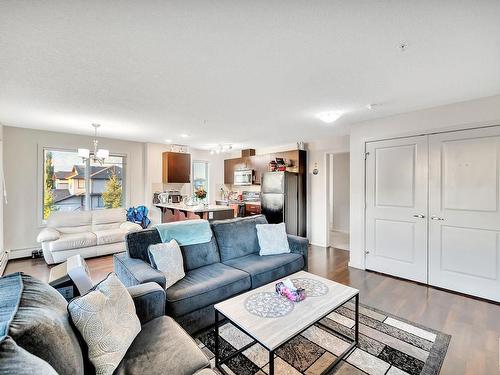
(387, 345)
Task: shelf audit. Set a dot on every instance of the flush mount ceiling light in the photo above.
(329, 116)
(168, 141)
(184, 135)
(98, 155)
(221, 148)
(372, 106)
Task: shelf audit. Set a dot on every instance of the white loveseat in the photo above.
(88, 233)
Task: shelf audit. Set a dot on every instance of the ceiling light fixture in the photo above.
(372, 106)
(221, 148)
(329, 116)
(98, 155)
(184, 135)
(168, 140)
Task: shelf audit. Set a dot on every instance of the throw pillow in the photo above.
(272, 239)
(39, 322)
(107, 321)
(16, 360)
(167, 258)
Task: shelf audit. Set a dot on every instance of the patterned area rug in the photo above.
(388, 345)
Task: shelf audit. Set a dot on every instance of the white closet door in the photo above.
(464, 225)
(396, 207)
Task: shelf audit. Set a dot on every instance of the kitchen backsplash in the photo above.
(239, 189)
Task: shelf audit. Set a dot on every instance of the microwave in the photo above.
(243, 177)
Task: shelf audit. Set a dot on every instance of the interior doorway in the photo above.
(338, 200)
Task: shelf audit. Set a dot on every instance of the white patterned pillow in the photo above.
(107, 321)
(167, 258)
(272, 239)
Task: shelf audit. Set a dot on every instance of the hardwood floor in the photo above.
(473, 324)
(99, 267)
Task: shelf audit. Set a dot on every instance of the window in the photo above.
(200, 176)
(66, 177)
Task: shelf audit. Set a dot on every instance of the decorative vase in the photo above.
(202, 202)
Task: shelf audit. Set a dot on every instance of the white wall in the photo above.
(1, 190)
(23, 170)
(475, 113)
(317, 186)
(339, 204)
(22, 155)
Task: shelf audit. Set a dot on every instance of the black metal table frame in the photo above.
(219, 362)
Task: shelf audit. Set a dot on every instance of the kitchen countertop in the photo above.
(198, 208)
(238, 202)
(222, 202)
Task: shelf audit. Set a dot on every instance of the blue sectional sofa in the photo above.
(227, 265)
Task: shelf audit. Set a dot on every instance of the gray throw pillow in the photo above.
(107, 321)
(167, 258)
(272, 239)
(41, 323)
(16, 360)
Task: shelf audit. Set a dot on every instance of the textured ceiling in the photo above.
(252, 73)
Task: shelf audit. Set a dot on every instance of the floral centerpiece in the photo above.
(201, 194)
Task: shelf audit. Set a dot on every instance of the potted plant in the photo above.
(201, 195)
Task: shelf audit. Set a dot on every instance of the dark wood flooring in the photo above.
(473, 324)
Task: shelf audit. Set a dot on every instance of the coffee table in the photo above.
(272, 321)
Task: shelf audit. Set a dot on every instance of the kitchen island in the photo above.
(180, 211)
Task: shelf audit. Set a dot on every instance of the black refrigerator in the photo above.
(283, 199)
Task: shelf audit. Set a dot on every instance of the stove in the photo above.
(251, 196)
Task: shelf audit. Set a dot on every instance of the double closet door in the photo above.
(433, 210)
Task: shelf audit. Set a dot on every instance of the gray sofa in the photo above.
(227, 265)
(37, 337)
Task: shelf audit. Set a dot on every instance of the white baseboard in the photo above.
(339, 230)
(318, 244)
(356, 265)
(22, 253)
(340, 247)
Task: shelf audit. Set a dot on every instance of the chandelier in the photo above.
(98, 155)
(221, 148)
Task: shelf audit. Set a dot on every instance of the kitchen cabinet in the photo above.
(231, 165)
(243, 163)
(229, 171)
(252, 209)
(260, 164)
(176, 168)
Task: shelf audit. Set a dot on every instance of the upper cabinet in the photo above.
(260, 164)
(176, 168)
(229, 171)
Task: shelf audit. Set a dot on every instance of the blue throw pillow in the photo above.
(272, 239)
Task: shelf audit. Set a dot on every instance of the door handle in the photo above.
(419, 216)
(436, 218)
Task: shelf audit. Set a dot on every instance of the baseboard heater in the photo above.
(4, 258)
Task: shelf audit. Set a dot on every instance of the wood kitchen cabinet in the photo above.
(252, 209)
(229, 171)
(260, 164)
(176, 168)
(231, 165)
